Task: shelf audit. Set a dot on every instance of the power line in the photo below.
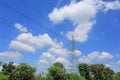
(6, 22)
(9, 25)
(2, 22)
(28, 5)
(29, 18)
(32, 20)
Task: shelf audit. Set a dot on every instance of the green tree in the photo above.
(23, 72)
(82, 78)
(49, 77)
(3, 77)
(97, 70)
(73, 76)
(84, 70)
(100, 72)
(8, 69)
(117, 76)
(39, 77)
(57, 71)
(58, 64)
(108, 74)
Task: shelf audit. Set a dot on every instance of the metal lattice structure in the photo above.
(73, 57)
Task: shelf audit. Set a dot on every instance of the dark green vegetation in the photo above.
(24, 71)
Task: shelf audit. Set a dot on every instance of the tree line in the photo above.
(57, 71)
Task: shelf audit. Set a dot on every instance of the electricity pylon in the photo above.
(73, 57)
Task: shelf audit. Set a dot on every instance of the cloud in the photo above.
(95, 56)
(59, 59)
(107, 65)
(77, 52)
(84, 59)
(64, 61)
(56, 55)
(82, 14)
(78, 14)
(89, 57)
(20, 27)
(53, 55)
(43, 61)
(48, 59)
(59, 51)
(29, 43)
(118, 62)
(11, 55)
(105, 56)
(17, 45)
(47, 56)
(112, 5)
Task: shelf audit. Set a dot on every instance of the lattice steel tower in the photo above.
(73, 57)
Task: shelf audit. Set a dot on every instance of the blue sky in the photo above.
(39, 32)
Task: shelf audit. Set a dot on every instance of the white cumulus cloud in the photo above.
(17, 45)
(47, 56)
(105, 55)
(56, 55)
(78, 14)
(64, 61)
(82, 14)
(43, 61)
(20, 27)
(11, 55)
(89, 57)
(29, 43)
(107, 65)
(84, 59)
(118, 62)
(95, 56)
(59, 51)
(112, 5)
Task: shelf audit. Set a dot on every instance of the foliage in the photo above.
(73, 76)
(7, 69)
(3, 77)
(84, 70)
(23, 72)
(39, 77)
(57, 71)
(82, 78)
(58, 64)
(108, 74)
(49, 77)
(100, 72)
(117, 76)
(97, 71)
